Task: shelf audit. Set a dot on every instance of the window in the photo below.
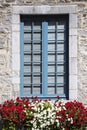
(44, 55)
(52, 14)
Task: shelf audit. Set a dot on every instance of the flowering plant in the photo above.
(13, 113)
(71, 115)
(36, 114)
(44, 115)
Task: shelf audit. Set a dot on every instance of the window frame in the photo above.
(44, 54)
(47, 10)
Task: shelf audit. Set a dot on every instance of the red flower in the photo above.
(72, 114)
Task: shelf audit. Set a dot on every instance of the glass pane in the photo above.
(36, 58)
(60, 36)
(51, 79)
(51, 27)
(37, 47)
(60, 90)
(27, 47)
(27, 58)
(37, 41)
(27, 90)
(36, 80)
(51, 42)
(51, 69)
(36, 69)
(36, 90)
(27, 69)
(60, 68)
(61, 26)
(60, 47)
(27, 37)
(60, 57)
(51, 36)
(27, 80)
(37, 36)
(27, 28)
(51, 90)
(37, 28)
(60, 79)
(51, 47)
(51, 58)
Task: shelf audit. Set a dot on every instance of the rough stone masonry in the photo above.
(7, 88)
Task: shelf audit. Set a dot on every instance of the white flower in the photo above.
(71, 121)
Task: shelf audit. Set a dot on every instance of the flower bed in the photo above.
(35, 114)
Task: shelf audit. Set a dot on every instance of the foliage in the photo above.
(71, 115)
(36, 114)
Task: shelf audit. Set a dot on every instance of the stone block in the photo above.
(1, 44)
(72, 66)
(72, 46)
(16, 80)
(73, 82)
(45, 9)
(73, 20)
(16, 62)
(16, 28)
(73, 94)
(15, 43)
(15, 19)
(10, 0)
(2, 60)
(73, 31)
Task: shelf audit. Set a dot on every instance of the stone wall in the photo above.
(10, 90)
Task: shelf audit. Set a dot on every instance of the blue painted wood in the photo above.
(32, 54)
(22, 59)
(51, 96)
(44, 64)
(66, 60)
(56, 57)
(44, 57)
